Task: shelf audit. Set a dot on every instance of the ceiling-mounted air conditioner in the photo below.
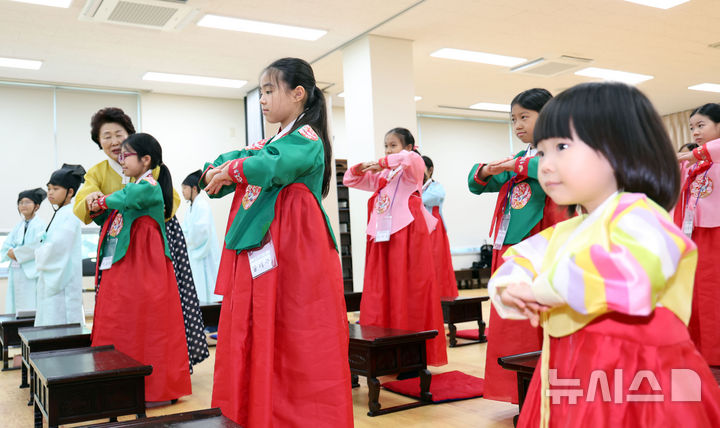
(548, 67)
(166, 15)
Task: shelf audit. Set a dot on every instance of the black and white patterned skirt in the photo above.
(196, 341)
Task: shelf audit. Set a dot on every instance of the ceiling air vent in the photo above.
(551, 67)
(167, 15)
(715, 45)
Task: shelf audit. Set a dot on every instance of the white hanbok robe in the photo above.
(59, 264)
(203, 248)
(22, 275)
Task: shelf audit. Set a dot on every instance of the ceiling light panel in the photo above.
(505, 108)
(479, 57)
(614, 75)
(706, 87)
(259, 27)
(194, 80)
(27, 64)
(53, 3)
(660, 4)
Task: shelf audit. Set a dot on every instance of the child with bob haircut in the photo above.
(281, 357)
(612, 287)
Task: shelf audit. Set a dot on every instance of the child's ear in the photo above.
(146, 161)
(298, 93)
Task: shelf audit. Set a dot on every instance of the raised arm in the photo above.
(91, 185)
(136, 196)
(355, 178)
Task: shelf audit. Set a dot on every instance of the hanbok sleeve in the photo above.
(522, 263)
(433, 195)
(135, 196)
(490, 184)
(9, 243)
(357, 179)
(627, 273)
(26, 252)
(54, 254)
(91, 184)
(708, 151)
(225, 157)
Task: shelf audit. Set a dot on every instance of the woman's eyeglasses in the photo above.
(123, 155)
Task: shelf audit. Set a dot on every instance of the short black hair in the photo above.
(619, 122)
(109, 115)
(533, 99)
(428, 162)
(405, 135)
(711, 110)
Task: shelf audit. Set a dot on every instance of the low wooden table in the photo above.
(82, 384)
(524, 365)
(377, 351)
(352, 301)
(210, 313)
(210, 418)
(49, 338)
(463, 309)
(9, 325)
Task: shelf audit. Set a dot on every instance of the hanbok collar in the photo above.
(530, 152)
(588, 221)
(284, 131)
(427, 184)
(146, 176)
(118, 168)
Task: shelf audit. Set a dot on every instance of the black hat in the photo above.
(36, 195)
(193, 179)
(69, 176)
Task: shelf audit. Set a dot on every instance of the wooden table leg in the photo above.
(453, 331)
(481, 330)
(32, 386)
(373, 395)
(354, 382)
(425, 379)
(38, 416)
(5, 357)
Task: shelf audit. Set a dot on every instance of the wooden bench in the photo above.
(210, 313)
(209, 418)
(377, 351)
(9, 325)
(352, 301)
(524, 365)
(463, 309)
(83, 384)
(49, 338)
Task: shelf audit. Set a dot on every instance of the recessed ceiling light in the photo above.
(259, 27)
(660, 4)
(341, 95)
(53, 3)
(194, 80)
(706, 87)
(417, 98)
(491, 107)
(481, 57)
(614, 75)
(27, 64)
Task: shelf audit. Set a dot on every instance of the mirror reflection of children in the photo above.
(400, 289)
(58, 259)
(522, 210)
(281, 356)
(138, 304)
(698, 215)
(433, 196)
(201, 237)
(19, 248)
(612, 288)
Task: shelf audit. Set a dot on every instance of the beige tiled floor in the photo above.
(476, 413)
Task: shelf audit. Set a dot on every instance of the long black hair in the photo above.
(296, 72)
(146, 145)
(620, 123)
(711, 110)
(532, 99)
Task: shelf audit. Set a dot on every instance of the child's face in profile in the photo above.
(57, 195)
(703, 129)
(187, 192)
(393, 144)
(571, 172)
(523, 122)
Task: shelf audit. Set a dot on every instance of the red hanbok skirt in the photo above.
(282, 353)
(400, 289)
(510, 337)
(704, 323)
(687, 394)
(138, 310)
(444, 272)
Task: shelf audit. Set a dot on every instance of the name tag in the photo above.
(263, 259)
(383, 228)
(108, 253)
(687, 225)
(500, 239)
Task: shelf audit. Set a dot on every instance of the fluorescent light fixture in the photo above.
(614, 75)
(660, 4)
(53, 3)
(505, 108)
(706, 87)
(259, 27)
(481, 57)
(341, 95)
(194, 80)
(417, 98)
(27, 64)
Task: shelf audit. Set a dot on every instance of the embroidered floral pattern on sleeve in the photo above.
(251, 194)
(309, 133)
(116, 226)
